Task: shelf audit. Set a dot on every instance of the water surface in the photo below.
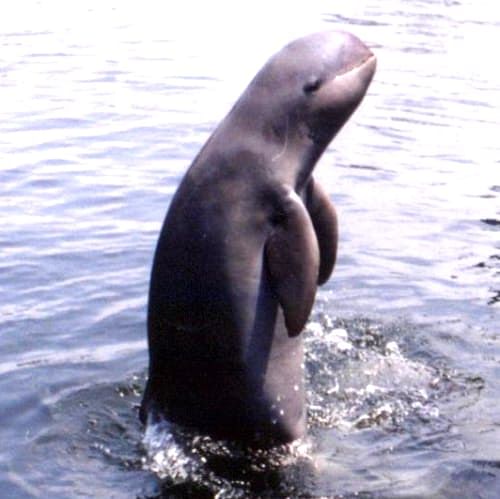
(104, 105)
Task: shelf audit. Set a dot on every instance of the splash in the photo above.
(165, 456)
(359, 378)
(201, 466)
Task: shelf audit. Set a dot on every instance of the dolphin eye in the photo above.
(312, 85)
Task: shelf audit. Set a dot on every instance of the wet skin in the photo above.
(248, 237)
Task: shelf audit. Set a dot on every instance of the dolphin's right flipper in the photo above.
(292, 257)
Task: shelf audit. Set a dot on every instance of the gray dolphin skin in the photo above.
(248, 238)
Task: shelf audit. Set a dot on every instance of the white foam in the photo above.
(164, 456)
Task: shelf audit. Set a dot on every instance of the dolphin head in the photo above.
(306, 92)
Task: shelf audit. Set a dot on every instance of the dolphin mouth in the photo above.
(362, 73)
(337, 99)
(369, 61)
(349, 86)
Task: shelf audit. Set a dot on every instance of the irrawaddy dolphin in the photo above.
(247, 239)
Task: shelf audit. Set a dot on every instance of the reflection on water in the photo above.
(105, 105)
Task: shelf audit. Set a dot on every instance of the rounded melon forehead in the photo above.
(322, 55)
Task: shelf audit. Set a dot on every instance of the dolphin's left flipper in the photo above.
(324, 219)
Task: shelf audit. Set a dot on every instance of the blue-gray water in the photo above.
(104, 105)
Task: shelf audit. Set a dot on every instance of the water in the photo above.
(104, 105)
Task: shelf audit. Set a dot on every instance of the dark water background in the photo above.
(103, 107)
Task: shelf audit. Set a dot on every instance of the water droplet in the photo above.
(315, 328)
(392, 348)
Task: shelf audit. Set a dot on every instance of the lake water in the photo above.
(104, 105)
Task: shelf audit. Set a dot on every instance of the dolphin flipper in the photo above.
(324, 219)
(292, 257)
